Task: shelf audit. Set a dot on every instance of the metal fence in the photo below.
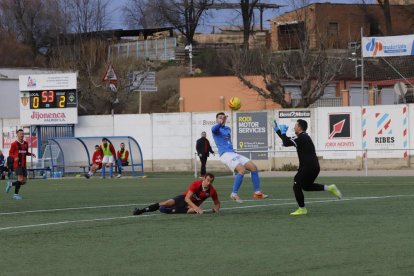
(323, 102)
(364, 159)
(154, 49)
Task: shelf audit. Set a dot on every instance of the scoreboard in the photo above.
(47, 99)
(53, 99)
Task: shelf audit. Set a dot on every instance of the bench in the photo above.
(32, 172)
(85, 168)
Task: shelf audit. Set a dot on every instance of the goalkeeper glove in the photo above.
(276, 127)
(283, 129)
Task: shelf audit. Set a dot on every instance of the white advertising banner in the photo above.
(339, 132)
(384, 131)
(47, 82)
(388, 46)
(411, 129)
(289, 118)
(54, 116)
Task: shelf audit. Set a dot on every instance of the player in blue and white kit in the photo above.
(235, 162)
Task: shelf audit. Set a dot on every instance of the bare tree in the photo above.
(385, 6)
(86, 15)
(312, 68)
(247, 11)
(31, 21)
(374, 20)
(184, 15)
(142, 14)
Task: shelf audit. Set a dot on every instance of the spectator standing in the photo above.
(109, 155)
(204, 149)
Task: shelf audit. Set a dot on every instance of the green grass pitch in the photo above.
(85, 227)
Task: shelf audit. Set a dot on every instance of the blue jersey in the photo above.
(222, 138)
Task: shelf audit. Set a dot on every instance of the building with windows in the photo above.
(338, 26)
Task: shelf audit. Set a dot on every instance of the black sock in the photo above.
(17, 185)
(152, 208)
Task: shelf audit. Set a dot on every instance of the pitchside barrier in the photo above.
(74, 154)
(287, 160)
(340, 135)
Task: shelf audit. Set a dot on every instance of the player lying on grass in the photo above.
(189, 202)
(308, 169)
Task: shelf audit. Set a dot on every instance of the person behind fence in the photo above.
(122, 159)
(188, 202)
(96, 161)
(19, 149)
(9, 163)
(3, 166)
(109, 156)
(308, 170)
(204, 149)
(234, 161)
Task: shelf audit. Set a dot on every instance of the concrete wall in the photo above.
(168, 140)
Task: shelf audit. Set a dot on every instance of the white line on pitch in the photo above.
(139, 204)
(228, 208)
(109, 206)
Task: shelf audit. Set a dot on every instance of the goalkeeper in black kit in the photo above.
(308, 169)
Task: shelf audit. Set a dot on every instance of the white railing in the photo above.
(362, 154)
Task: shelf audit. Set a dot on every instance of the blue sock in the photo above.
(103, 171)
(255, 181)
(238, 179)
(110, 171)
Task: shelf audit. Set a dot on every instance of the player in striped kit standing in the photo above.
(19, 149)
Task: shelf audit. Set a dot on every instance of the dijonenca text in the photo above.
(38, 115)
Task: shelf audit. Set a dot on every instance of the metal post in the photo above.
(191, 58)
(362, 69)
(366, 162)
(113, 122)
(195, 165)
(140, 102)
(190, 55)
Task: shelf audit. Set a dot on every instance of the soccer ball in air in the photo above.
(234, 103)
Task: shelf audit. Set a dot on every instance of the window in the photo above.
(333, 35)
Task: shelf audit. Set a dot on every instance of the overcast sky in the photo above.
(223, 17)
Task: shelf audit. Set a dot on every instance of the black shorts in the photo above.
(306, 176)
(180, 206)
(20, 171)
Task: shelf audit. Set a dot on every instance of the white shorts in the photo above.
(108, 159)
(232, 159)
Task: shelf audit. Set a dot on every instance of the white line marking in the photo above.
(68, 209)
(112, 206)
(228, 208)
(145, 204)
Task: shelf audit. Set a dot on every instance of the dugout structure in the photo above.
(74, 154)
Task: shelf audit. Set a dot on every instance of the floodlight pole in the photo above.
(190, 55)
